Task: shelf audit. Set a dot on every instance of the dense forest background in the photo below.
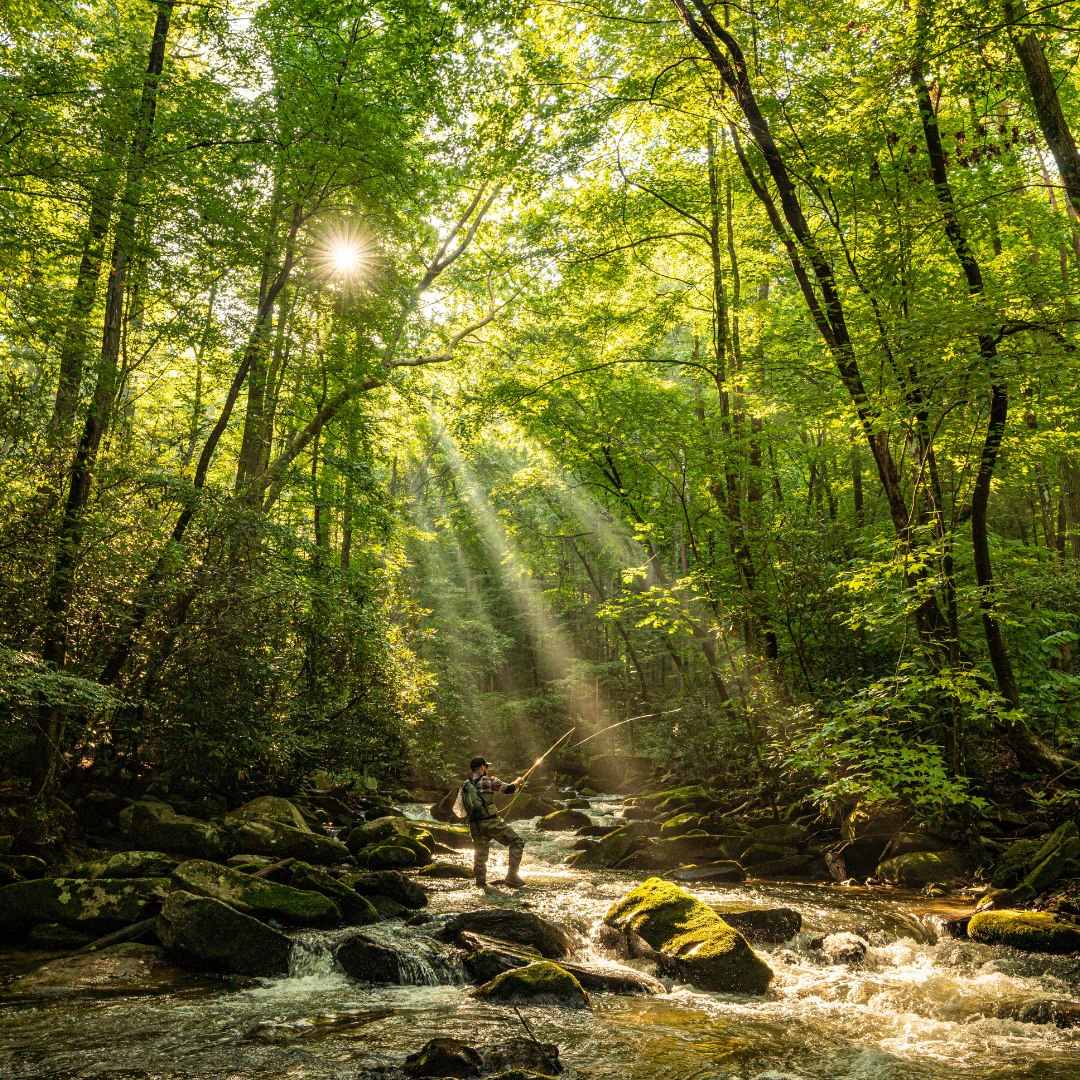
(386, 382)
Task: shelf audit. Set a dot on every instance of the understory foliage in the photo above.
(388, 382)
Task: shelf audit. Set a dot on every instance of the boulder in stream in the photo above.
(843, 948)
(522, 1056)
(256, 896)
(272, 810)
(59, 938)
(447, 872)
(394, 955)
(519, 927)
(563, 821)
(761, 926)
(157, 826)
(920, 868)
(1028, 931)
(689, 939)
(543, 983)
(444, 1057)
(389, 883)
(721, 870)
(127, 864)
(356, 910)
(286, 842)
(221, 936)
(391, 843)
(102, 903)
(1058, 857)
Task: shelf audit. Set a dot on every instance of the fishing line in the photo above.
(536, 763)
(643, 716)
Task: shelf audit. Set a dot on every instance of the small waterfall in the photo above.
(421, 960)
(311, 956)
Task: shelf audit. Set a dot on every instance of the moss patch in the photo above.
(535, 984)
(922, 867)
(98, 901)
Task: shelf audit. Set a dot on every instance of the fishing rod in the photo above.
(630, 719)
(536, 764)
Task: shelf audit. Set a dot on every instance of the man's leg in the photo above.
(481, 843)
(506, 835)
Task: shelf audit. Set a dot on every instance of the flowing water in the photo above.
(918, 1006)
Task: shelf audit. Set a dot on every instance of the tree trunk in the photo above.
(61, 579)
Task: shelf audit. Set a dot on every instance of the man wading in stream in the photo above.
(486, 825)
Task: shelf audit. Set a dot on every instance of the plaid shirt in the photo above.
(486, 785)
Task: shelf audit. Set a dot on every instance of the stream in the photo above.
(918, 1006)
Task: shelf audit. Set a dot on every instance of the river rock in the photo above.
(59, 938)
(458, 837)
(446, 872)
(272, 810)
(844, 948)
(256, 896)
(690, 939)
(396, 956)
(757, 854)
(906, 843)
(444, 1057)
(543, 983)
(761, 926)
(355, 909)
(667, 853)
(286, 842)
(156, 826)
(127, 968)
(563, 821)
(519, 927)
(388, 883)
(522, 1055)
(923, 867)
(390, 843)
(101, 902)
(128, 864)
(722, 870)
(443, 810)
(680, 824)
(221, 936)
(1028, 931)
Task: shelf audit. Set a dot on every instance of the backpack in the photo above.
(469, 804)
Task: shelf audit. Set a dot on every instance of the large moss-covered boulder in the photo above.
(393, 856)
(1028, 931)
(286, 842)
(391, 843)
(355, 909)
(519, 927)
(157, 826)
(689, 939)
(127, 864)
(543, 983)
(389, 883)
(922, 867)
(270, 809)
(99, 902)
(680, 824)
(221, 936)
(1013, 865)
(256, 896)
(128, 968)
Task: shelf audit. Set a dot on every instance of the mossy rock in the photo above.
(128, 864)
(1054, 858)
(563, 821)
(1014, 864)
(765, 853)
(272, 810)
(391, 832)
(355, 909)
(788, 836)
(222, 937)
(156, 826)
(101, 902)
(680, 824)
(444, 1057)
(256, 896)
(389, 883)
(543, 983)
(669, 852)
(1028, 931)
(286, 842)
(392, 856)
(691, 939)
(519, 927)
(457, 837)
(920, 868)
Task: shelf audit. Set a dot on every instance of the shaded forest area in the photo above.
(385, 383)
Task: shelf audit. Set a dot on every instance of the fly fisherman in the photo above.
(486, 825)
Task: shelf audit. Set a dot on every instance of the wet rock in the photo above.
(391, 843)
(355, 909)
(722, 870)
(563, 821)
(639, 813)
(996, 900)
(128, 864)
(458, 838)
(690, 939)
(444, 1057)
(447, 871)
(285, 842)
(222, 937)
(522, 1055)
(156, 826)
(680, 824)
(955, 928)
(765, 925)
(388, 883)
(396, 957)
(256, 896)
(923, 867)
(612, 848)
(1028, 931)
(387, 908)
(543, 983)
(844, 948)
(519, 927)
(667, 853)
(56, 936)
(101, 902)
(488, 958)
(272, 810)
(125, 969)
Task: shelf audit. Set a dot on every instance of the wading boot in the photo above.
(481, 878)
(513, 879)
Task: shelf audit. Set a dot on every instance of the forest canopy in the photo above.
(386, 382)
